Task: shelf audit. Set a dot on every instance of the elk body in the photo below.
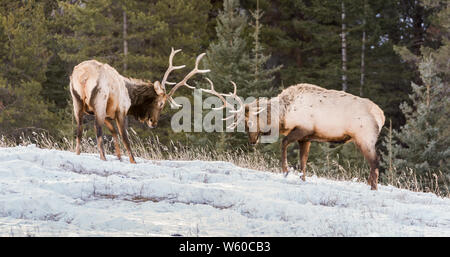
(98, 89)
(310, 113)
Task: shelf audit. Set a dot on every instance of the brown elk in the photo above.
(310, 113)
(98, 89)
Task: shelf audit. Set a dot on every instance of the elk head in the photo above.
(252, 124)
(246, 112)
(158, 102)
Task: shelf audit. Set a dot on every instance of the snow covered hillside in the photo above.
(56, 193)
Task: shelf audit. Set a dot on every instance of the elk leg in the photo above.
(284, 163)
(115, 137)
(296, 134)
(79, 119)
(78, 113)
(374, 173)
(369, 152)
(121, 125)
(98, 129)
(303, 156)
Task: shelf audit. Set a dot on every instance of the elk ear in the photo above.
(158, 88)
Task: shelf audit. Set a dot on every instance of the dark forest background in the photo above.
(394, 52)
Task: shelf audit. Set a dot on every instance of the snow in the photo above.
(56, 193)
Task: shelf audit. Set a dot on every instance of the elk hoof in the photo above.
(286, 173)
(373, 186)
(372, 183)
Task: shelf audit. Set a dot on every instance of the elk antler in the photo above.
(214, 92)
(184, 81)
(226, 104)
(170, 69)
(238, 112)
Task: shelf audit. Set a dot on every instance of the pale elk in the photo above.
(310, 113)
(98, 89)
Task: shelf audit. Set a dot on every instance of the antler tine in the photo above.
(190, 74)
(173, 103)
(259, 109)
(238, 112)
(234, 95)
(214, 92)
(197, 61)
(225, 103)
(171, 68)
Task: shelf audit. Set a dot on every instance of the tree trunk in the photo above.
(344, 49)
(125, 42)
(363, 53)
(257, 17)
(363, 65)
(390, 148)
(419, 31)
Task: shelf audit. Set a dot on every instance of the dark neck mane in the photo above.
(142, 94)
(139, 91)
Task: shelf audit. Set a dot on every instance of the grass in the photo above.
(152, 149)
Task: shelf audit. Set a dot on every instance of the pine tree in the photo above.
(304, 37)
(344, 46)
(23, 41)
(138, 46)
(233, 58)
(25, 111)
(228, 57)
(422, 143)
(229, 60)
(261, 85)
(154, 28)
(91, 30)
(141, 42)
(24, 60)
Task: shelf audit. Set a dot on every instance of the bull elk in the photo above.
(98, 89)
(310, 113)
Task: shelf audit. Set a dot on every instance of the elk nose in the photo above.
(151, 124)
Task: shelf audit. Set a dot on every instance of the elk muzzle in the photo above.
(151, 123)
